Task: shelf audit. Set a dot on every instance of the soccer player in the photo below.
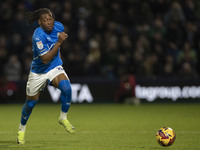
(46, 67)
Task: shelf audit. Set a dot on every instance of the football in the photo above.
(165, 136)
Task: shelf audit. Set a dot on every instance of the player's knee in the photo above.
(65, 87)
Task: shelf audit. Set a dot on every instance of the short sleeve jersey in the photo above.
(43, 42)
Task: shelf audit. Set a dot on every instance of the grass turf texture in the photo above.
(102, 127)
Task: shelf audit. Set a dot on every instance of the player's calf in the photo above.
(65, 97)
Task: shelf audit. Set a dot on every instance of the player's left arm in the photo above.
(50, 54)
(61, 37)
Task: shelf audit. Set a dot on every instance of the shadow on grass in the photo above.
(6, 144)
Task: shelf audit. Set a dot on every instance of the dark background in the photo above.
(154, 40)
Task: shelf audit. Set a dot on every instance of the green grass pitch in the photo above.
(102, 127)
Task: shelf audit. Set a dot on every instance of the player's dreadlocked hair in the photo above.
(33, 16)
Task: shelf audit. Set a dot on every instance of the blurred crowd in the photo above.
(108, 38)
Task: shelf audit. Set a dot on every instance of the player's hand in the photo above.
(62, 37)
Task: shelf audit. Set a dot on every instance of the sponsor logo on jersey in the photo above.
(40, 45)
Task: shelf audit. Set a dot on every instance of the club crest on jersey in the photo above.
(40, 45)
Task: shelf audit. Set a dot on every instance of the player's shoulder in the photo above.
(39, 34)
(58, 25)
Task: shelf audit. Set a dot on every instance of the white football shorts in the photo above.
(37, 81)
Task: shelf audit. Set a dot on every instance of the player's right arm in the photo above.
(46, 58)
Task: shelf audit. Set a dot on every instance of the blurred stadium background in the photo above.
(118, 50)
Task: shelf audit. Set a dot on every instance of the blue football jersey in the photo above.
(43, 42)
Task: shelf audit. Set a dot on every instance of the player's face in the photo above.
(46, 21)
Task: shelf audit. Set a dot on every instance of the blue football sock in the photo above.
(65, 88)
(26, 110)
